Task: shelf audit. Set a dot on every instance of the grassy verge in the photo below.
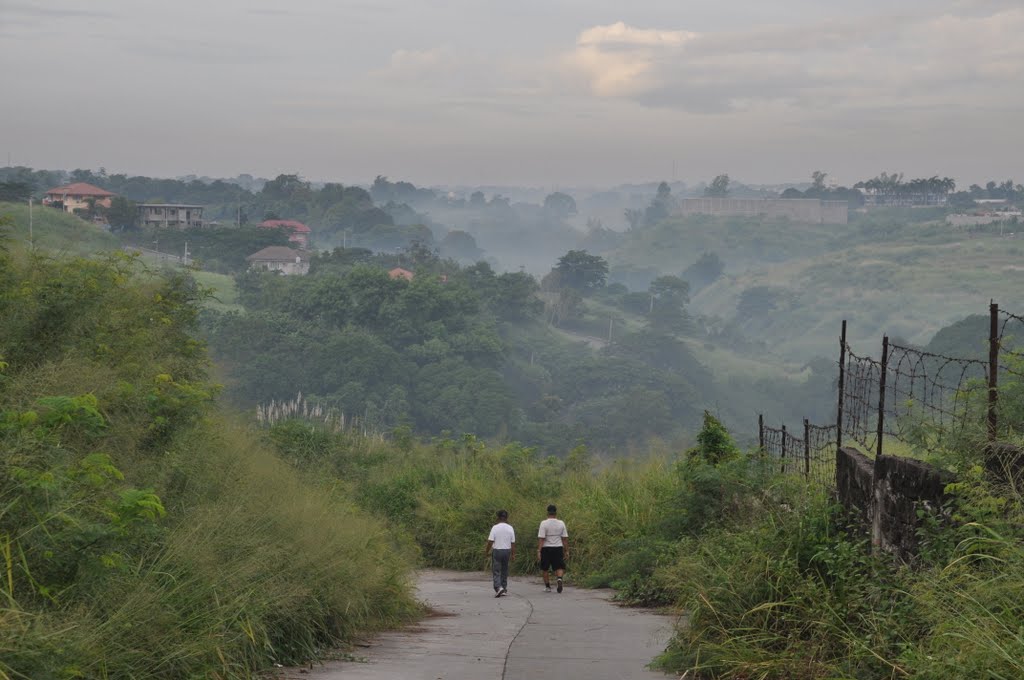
(143, 533)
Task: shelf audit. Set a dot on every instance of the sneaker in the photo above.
(497, 593)
(503, 592)
(547, 588)
(559, 585)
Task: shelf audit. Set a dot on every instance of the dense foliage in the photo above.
(460, 349)
(136, 536)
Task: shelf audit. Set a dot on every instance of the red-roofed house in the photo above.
(77, 196)
(399, 273)
(299, 231)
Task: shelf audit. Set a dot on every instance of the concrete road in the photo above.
(527, 635)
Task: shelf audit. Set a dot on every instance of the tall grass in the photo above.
(143, 532)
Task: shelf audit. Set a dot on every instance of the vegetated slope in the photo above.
(898, 271)
(901, 289)
(145, 534)
(56, 230)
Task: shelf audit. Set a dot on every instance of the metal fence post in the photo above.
(807, 448)
(842, 387)
(760, 431)
(783, 449)
(993, 370)
(881, 393)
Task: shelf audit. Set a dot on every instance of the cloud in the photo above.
(621, 34)
(417, 64)
(896, 59)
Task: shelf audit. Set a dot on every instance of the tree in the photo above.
(15, 192)
(634, 217)
(460, 245)
(122, 213)
(560, 205)
(660, 206)
(719, 187)
(704, 271)
(669, 295)
(581, 271)
(818, 180)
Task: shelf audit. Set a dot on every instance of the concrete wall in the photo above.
(902, 487)
(854, 476)
(807, 210)
(886, 494)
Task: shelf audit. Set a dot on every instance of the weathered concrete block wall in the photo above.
(854, 483)
(809, 210)
(903, 486)
(886, 494)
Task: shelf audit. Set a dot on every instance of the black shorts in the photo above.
(552, 558)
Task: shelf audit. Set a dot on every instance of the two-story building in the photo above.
(177, 215)
(79, 196)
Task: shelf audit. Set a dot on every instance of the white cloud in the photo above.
(621, 34)
(416, 64)
(881, 60)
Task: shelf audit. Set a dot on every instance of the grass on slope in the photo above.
(904, 289)
(144, 534)
(56, 231)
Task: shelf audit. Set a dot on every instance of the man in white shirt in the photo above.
(501, 546)
(552, 548)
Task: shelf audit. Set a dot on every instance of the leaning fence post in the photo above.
(760, 432)
(842, 387)
(993, 370)
(783, 449)
(881, 393)
(807, 448)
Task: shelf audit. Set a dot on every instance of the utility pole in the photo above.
(609, 330)
(185, 262)
(31, 236)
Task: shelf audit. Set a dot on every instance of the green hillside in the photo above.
(56, 231)
(903, 289)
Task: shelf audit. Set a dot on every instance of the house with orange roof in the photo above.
(299, 232)
(399, 273)
(78, 196)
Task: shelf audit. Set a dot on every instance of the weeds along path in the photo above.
(471, 635)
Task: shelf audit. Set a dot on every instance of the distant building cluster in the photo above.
(804, 210)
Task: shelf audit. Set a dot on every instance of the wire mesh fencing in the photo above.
(1010, 344)
(931, 398)
(810, 452)
(859, 388)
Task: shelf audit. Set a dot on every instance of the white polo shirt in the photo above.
(503, 536)
(552, 531)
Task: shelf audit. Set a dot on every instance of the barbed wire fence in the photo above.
(1009, 333)
(907, 397)
(932, 397)
(810, 453)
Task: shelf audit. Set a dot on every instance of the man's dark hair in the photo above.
(552, 510)
(502, 514)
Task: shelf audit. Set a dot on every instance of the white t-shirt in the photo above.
(552, 531)
(503, 536)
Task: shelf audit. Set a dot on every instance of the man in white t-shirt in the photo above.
(501, 546)
(552, 548)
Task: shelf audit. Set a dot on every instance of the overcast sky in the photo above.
(532, 92)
